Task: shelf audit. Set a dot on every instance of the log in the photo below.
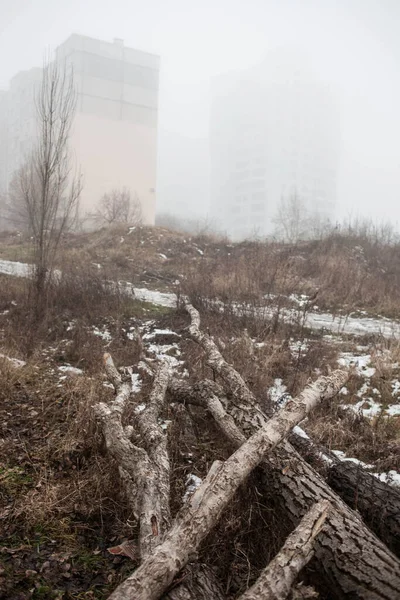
(378, 502)
(145, 472)
(353, 561)
(277, 579)
(198, 582)
(205, 507)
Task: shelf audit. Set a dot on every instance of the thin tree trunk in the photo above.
(277, 579)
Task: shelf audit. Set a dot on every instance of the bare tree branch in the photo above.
(45, 191)
(119, 206)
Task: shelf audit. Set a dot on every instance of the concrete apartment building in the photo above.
(114, 134)
(273, 133)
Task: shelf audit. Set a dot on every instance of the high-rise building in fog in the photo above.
(273, 134)
(114, 134)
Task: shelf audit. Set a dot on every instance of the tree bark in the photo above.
(145, 472)
(198, 582)
(378, 502)
(354, 563)
(205, 507)
(277, 579)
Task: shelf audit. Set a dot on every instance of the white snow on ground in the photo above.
(14, 361)
(395, 387)
(162, 352)
(158, 332)
(344, 324)
(300, 299)
(136, 383)
(342, 456)
(347, 359)
(69, 369)
(298, 348)
(300, 432)
(391, 477)
(192, 484)
(104, 334)
(354, 325)
(367, 407)
(278, 394)
(10, 267)
(164, 423)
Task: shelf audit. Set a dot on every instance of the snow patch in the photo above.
(278, 394)
(69, 369)
(367, 407)
(300, 432)
(14, 361)
(136, 383)
(104, 334)
(300, 299)
(298, 348)
(192, 484)
(347, 359)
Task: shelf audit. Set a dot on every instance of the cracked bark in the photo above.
(376, 501)
(145, 471)
(277, 579)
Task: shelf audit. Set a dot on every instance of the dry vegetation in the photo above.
(61, 505)
(346, 272)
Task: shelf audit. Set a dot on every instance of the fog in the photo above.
(351, 46)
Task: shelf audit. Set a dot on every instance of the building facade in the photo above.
(114, 134)
(273, 134)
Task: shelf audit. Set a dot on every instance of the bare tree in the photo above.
(291, 219)
(119, 206)
(46, 189)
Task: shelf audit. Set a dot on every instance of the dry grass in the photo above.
(349, 271)
(56, 480)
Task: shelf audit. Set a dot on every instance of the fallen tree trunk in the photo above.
(353, 561)
(277, 579)
(196, 519)
(378, 502)
(145, 473)
(198, 582)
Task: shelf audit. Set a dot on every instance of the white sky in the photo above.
(352, 44)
